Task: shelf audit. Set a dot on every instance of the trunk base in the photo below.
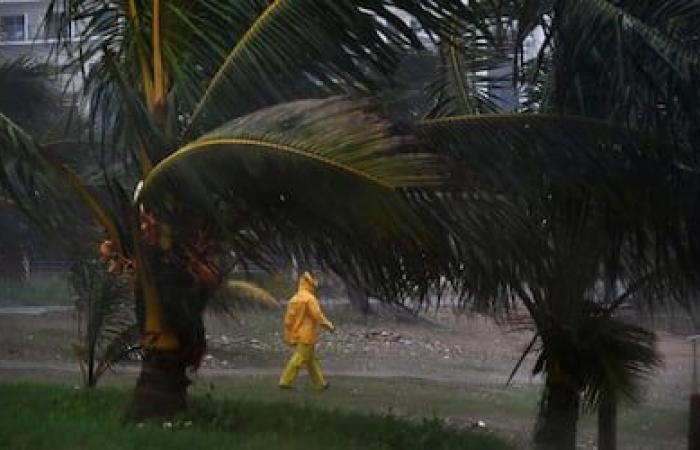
(607, 424)
(161, 390)
(556, 424)
(694, 425)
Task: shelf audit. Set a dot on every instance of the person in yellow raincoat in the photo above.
(301, 322)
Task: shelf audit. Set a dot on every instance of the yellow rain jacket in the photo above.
(304, 315)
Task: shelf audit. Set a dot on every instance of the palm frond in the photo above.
(46, 191)
(617, 357)
(354, 43)
(462, 82)
(561, 189)
(632, 62)
(244, 293)
(516, 150)
(604, 15)
(315, 174)
(224, 58)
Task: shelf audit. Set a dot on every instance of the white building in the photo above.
(21, 29)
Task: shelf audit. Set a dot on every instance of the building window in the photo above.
(12, 28)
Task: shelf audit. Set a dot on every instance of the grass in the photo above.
(510, 412)
(39, 416)
(399, 396)
(40, 289)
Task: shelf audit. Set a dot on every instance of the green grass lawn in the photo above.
(509, 411)
(42, 416)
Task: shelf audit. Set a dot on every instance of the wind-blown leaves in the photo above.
(223, 58)
(320, 177)
(270, 45)
(635, 62)
(510, 149)
(461, 84)
(236, 294)
(46, 191)
(579, 207)
(615, 359)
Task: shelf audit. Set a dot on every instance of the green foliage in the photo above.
(587, 215)
(162, 79)
(92, 420)
(634, 62)
(337, 169)
(107, 331)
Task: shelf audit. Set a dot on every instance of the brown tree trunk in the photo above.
(556, 422)
(161, 390)
(694, 425)
(607, 424)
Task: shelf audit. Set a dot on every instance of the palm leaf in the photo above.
(243, 293)
(603, 15)
(618, 357)
(223, 58)
(319, 175)
(515, 150)
(460, 86)
(536, 178)
(353, 43)
(633, 62)
(46, 191)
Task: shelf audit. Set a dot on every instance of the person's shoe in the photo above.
(324, 387)
(286, 387)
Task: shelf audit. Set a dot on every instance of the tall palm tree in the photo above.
(206, 160)
(560, 224)
(589, 221)
(633, 63)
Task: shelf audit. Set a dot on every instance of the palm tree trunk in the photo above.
(607, 424)
(556, 422)
(694, 425)
(161, 389)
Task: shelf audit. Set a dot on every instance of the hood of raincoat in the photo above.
(308, 283)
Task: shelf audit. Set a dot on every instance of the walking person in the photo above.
(301, 322)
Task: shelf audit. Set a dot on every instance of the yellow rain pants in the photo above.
(304, 355)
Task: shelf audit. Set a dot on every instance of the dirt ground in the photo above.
(437, 346)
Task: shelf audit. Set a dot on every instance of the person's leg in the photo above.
(315, 373)
(290, 372)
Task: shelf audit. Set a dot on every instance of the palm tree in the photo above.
(588, 216)
(555, 231)
(206, 162)
(633, 63)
